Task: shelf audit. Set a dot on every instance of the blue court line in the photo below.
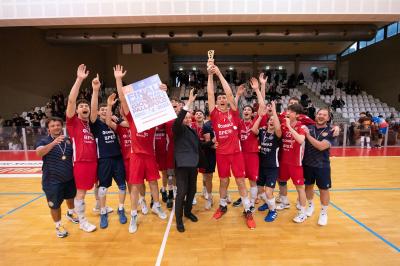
(21, 206)
(364, 226)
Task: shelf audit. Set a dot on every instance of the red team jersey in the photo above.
(248, 139)
(141, 143)
(305, 120)
(292, 152)
(84, 145)
(226, 126)
(124, 135)
(161, 139)
(198, 129)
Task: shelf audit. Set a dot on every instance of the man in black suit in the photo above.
(187, 159)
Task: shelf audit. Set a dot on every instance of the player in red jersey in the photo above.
(293, 136)
(225, 122)
(249, 143)
(85, 153)
(121, 127)
(142, 163)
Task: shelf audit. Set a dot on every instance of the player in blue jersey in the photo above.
(57, 179)
(110, 162)
(316, 163)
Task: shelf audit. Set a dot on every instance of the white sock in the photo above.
(362, 141)
(70, 211)
(120, 206)
(324, 209)
(302, 210)
(163, 189)
(284, 199)
(368, 140)
(271, 204)
(80, 209)
(263, 196)
(58, 224)
(223, 202)
(253, 195)
(103, 210)
(246, 203)
(156, 204)
(133, 212)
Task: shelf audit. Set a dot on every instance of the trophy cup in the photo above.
(210, 58)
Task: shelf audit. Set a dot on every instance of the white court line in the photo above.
(166, 233)
(20, 175)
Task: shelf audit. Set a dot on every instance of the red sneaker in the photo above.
(220, 211)
(250, 220)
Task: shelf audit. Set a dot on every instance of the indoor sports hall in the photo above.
(340, 55)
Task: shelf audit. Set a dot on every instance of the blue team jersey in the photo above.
(207, 128)
(314, 157)
(106, 140)
(269, 148)
(55, 169)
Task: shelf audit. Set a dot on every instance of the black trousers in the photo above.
(186, 182)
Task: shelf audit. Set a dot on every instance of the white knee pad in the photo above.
(362, 139)
(368, 139)
(102, 192)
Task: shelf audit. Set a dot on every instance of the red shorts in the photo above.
(170, 159)
(287, 171)
(85, 174)
(226, 162)
(126, 164)
(251, 163)
(142, 167)
(161, 158)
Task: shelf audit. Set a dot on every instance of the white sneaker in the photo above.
(300, 217)
(194, 201)
(86, 226)
(209, 204)
(143, 206)
(159, 212)
(133, 224)
(323, 219)
(96, 209)
(282, 206)
(310, 209)
(368, 147)
(204, 193)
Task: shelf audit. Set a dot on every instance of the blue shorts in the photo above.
(268, 176)
(382, 130)
(211, 163)
(56, 193)
(321, 176)
(109, 168)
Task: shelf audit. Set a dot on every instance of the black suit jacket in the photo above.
(187, 151)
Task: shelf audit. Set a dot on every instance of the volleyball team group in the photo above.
(254, 144)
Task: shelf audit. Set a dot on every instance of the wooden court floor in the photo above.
(363, 228)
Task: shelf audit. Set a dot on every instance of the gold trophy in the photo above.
(210, 58)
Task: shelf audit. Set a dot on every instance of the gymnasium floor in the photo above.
(363, 226)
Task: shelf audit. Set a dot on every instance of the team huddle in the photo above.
(259, 145)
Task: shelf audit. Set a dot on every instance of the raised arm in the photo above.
(210, 86)
(81, 74)
(94, 103)
(178, 123)
(43, 150)
(226, 87)
(277, 124)
(297, 137)
(119, 73)
(263, 80)
(255, 86)
(239, 94)
(110, 102)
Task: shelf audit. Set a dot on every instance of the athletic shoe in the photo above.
(204, 193)
(86, 226)
(300, 217)
(97, 209)
(133, 224)
(263, 207)
(252, 209)
(228, 198)
(103, 221)
(282, 206)
(143, 206)
(310, 210)
(220, 211)
(61, 232)
(157, 210)
(271, 216)
(194, 201)
(122, 216)
(250, 220)
(164, 195)
(368, 147)
(209, 204)
(323, 219)
(72, 218)
(237, 203)
(170, 200)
